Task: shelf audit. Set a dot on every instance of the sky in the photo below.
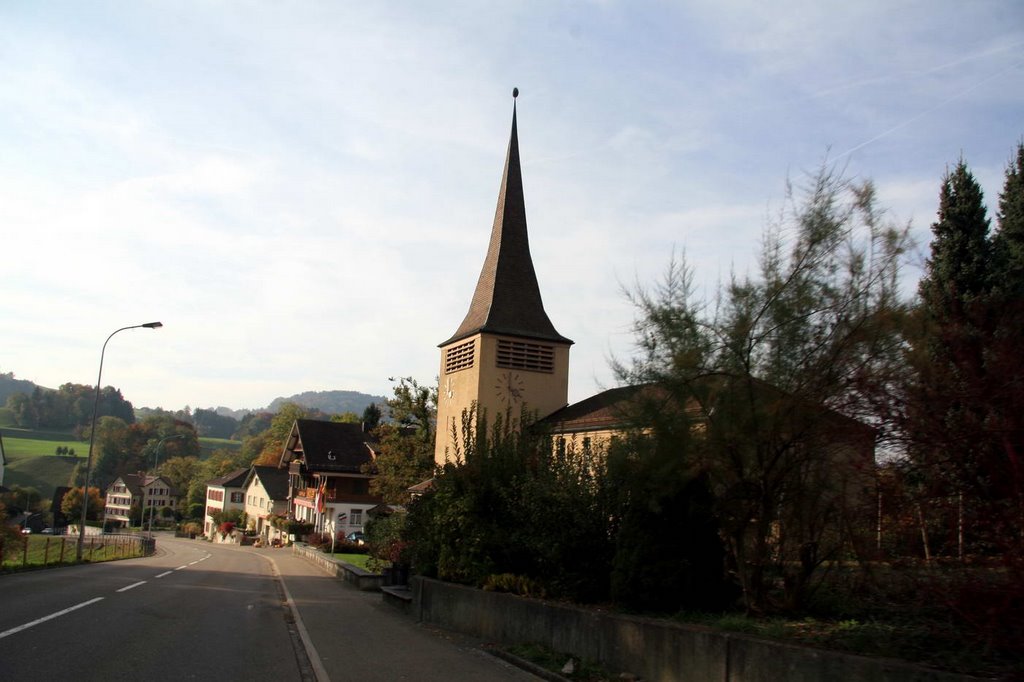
(302, 191)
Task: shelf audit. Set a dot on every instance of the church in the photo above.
(507, 356)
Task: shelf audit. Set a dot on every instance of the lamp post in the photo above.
(156, 458)
(92, 434)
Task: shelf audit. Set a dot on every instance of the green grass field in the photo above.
(29, 443)
(210, 445)
(32, 462)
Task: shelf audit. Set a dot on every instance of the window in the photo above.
(237, 498)
(459, 357)
(356, 517)
(532, 357)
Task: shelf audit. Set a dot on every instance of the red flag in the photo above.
(321, 497)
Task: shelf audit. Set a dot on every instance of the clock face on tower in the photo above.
(510, 388)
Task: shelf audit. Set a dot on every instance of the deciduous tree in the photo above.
(277, 434)
(71, 505)
(772, 374)
(405, 445)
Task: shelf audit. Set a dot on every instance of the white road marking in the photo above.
(319, 671)
(132, 586)
(164, 573)
(37, 621)
(181, 567)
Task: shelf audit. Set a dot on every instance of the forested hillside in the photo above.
(9, 386)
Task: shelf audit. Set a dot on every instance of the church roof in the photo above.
(607, 410)
(507, 298)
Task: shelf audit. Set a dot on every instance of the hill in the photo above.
(10, 386)
(42, 473)
(330, 402)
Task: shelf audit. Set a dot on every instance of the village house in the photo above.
(266, 496)
(328, 465)
(224, 493)
(146, 493)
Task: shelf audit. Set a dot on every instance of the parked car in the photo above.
(357, 537)
(26, 531)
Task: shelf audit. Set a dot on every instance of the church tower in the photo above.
(506, 354)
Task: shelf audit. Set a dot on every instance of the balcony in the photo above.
(309, 494)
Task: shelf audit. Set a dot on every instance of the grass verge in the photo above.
(359, 560)
(42, 551)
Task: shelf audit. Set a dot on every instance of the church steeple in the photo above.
(507, 299)
(506, 357)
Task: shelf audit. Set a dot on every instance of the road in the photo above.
(197, 611)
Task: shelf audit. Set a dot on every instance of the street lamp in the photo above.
(92, 434)
(156, 458)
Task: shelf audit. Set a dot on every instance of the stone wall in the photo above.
(654, 649)
(362, 579)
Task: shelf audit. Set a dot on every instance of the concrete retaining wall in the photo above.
(654, 649)
(362, 579)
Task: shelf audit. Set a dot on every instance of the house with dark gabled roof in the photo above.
(224, 493)
(266, 495)
(329, 467)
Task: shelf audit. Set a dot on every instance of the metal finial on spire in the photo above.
(515, 93)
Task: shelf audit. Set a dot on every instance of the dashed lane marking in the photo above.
(132, 586)
(57, 614)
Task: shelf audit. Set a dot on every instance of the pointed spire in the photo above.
(507, 298)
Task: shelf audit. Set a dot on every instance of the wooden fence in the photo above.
(43, 550)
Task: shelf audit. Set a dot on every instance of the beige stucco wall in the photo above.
(541, 392)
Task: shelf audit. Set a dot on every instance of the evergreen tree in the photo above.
(1004, 359)
(958, 269)
(964, 405)
(1008, 242)
(371, 416)
(945, 411)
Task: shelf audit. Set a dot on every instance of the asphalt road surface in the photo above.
(198, 611)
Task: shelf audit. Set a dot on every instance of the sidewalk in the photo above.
(353, 635)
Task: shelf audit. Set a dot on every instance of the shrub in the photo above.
(298, 528)
(515, 584)
(192, 528)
